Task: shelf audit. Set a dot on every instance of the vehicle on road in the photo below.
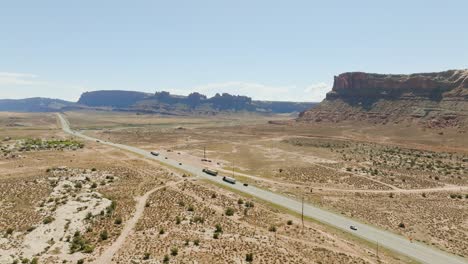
(154, 153)
(353, 228)
(246, 184)
(180, 163)
(210, 172)
(165, 157)
(98, 141)
(229, 179)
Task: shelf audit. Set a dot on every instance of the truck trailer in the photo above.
(210, 172)
(229, 179)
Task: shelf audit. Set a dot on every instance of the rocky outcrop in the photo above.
(112, 98)
(159, 102)
(164, 102)
(433, 99)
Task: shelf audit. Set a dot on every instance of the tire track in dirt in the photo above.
(108, 254)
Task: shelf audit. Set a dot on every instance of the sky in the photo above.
(269, 50)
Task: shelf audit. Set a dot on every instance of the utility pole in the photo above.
(377, 250)
(302, 214)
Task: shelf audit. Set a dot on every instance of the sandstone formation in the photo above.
(432, 99)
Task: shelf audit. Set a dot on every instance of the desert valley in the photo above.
(379, 168)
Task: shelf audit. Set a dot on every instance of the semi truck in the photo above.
(229, 179)
(210, 172)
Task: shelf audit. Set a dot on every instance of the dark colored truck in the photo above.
(210, 172)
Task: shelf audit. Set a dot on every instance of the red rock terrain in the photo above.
(432, 99)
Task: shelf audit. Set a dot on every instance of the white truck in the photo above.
(154, 153)
(229, 179)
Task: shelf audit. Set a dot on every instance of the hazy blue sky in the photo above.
(280, 50)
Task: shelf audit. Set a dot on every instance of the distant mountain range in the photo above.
(36, 104)
(159, 102)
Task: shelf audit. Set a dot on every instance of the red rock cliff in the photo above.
(383, 98)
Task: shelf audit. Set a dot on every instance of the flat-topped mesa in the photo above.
(434, 99)
(394, 86)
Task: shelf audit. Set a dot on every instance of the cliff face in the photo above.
(164, 102)
(111, 98)
(434, 99)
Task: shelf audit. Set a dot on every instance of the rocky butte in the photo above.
(432, 99)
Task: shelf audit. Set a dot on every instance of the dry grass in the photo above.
(327, 164)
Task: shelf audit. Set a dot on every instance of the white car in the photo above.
(353, 228)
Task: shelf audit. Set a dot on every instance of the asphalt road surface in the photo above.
(415, 250)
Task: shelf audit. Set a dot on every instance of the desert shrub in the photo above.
(111, 208)
(218, 228)
(118, 220)
(104, 235)
(93, 169)
(196, 242)
(161, 231)
(190, 208)
(166, 259)
(272, 229)
(249, 257)
(229, 211)
(94, 185)
(198, 219)
(216, 235)
(240, 201)
(81, 261)
(35, 261)
(290, 222)
(146, 256)
(401, 225)
(48, 220)
(79, 244)
(174, 251)
(177, 220)
(249, 204)
(89, 215)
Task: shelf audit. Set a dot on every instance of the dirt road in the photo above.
(108, 254)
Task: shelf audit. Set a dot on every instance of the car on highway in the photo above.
(154, 153)
(246, 184)
(180, 163)
(353, 228)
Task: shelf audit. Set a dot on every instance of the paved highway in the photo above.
(418, 251)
